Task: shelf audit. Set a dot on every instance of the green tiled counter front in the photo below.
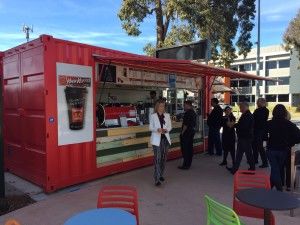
(117, 145)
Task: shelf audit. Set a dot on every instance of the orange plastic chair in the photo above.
(12, 222)
(123, 197)
(244, 179)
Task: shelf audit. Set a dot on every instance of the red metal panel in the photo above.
(68, 164)
(24, 137)
(11, 104)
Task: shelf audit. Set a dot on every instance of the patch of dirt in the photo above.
(12, 203)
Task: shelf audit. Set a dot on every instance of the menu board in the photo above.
(180, 82)
(162, 80)
(130, 76)
(149, 79)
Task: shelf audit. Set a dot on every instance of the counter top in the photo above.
(115, 131)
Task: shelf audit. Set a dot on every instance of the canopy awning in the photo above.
(184, 67)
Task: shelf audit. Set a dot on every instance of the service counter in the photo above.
(116, 145)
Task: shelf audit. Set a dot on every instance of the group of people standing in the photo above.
(160, 127)
(251, 131)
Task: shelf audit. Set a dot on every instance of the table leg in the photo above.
(267, 217)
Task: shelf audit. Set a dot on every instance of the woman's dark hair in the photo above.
(280, 112)
(227, 107)
(188, 102)
(215, 100)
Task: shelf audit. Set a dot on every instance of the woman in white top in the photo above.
(160, 125)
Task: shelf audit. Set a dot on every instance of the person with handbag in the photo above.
(228, 136)
(160, 126)
(282, 135)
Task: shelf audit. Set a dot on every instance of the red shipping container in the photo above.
(33, 147)
(31, 120)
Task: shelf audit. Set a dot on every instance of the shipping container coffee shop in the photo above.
(74, 112)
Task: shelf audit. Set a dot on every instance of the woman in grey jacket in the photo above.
(160, 126)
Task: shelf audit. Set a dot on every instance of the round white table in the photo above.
(103, 216)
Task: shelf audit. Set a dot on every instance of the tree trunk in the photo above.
(159, 24)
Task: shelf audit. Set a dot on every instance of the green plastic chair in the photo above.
(218, 214)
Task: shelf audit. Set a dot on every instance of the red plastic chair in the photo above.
(12, 222)
(244, 179)
(122, 197)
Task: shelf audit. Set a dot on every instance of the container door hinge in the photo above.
(46, 92)
(45, 47)
(47, 135)
(48, 178)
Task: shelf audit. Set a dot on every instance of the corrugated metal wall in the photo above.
(68, 164)
(24, 112)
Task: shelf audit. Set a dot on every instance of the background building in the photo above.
(276, 63)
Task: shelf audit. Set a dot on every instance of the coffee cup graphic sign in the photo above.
(74, 104)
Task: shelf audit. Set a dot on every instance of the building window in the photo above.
(271, 64)
(283, 80)
(242, 68)
(253, 66)
(234, 98)
(247, 67)
(253, 98)
(245, 98)
(234, 83)
(245, 83)
(284, 63)
(271, 98)
(234, 67)
(260, 82)
(271, 83)
(283, 98)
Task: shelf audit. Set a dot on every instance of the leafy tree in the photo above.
(177, 35)
(180, 21)
(291, 36)
(133, 13)
(221, 21)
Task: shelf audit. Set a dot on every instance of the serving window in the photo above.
(125, 99)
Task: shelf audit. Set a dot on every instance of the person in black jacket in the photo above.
(244, 130)
(261, 115)
(214, 122)
(187, 135)
(287, 175)
(282, 135)
(228, 136)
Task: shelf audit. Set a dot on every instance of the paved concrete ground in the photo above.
(178, 202)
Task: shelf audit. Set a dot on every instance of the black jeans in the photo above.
(228, 147)
(186, 142)
(258, 147)
(277, 159)
(214, 140)
(244, 145)
(286, 175)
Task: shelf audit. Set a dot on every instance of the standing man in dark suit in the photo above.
(187, 135)
(214, 122)
(244, 130)
(261, 115)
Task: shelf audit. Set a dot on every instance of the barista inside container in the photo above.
(153, 98)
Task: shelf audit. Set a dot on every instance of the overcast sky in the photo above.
(96, 22)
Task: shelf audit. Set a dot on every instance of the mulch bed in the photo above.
(14, 202)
